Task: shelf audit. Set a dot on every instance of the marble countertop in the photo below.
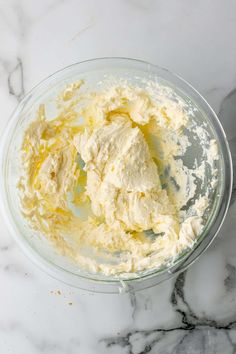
(194, 313)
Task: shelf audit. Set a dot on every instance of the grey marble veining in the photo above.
(194, 313)
(192, 332)
(16, 81)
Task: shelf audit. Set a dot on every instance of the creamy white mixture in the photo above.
(103, 182)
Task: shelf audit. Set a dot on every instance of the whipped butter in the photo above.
(102, 182)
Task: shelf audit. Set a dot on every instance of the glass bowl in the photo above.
(39, 250)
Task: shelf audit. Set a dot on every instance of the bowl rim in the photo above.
(116, 285)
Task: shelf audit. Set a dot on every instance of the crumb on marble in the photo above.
(55, 292)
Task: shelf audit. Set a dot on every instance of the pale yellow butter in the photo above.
(119, 184)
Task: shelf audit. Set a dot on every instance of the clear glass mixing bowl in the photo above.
(93, 71)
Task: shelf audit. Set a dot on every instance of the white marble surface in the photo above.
(195, 313)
